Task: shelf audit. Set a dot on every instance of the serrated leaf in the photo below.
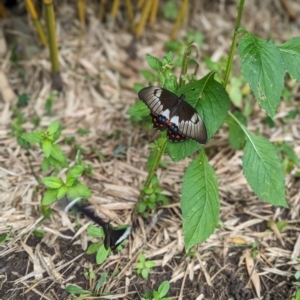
(53, 127)
(70, 181)
(102, 255)
(50, 196)
(290, 53)
(62, 192)
(262, 67)
(137, 87)
(57, 153)
(52, 182)
(237, 136)
(46, 146)
(75, 171)
(153, 62)
(138, 111)
(45, 165)
(79, 190)
(170, 83)
(290, 153)
(148, 75)
(32, 138)
(263, 170)
(200, 202)
(180, 150)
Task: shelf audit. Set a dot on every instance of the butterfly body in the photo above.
(168, 111)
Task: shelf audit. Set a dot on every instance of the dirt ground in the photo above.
(98, 72)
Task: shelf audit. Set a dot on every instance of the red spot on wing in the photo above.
(168, 123)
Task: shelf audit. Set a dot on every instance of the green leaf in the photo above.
(74, 289)
(70, 181)
(62, 192)
(149, 264)
(93, 248)
(95, 231)
(79, 190)
(50, 196)
(57, 153)
(145, 273)
(52, 182)
(32, 138)
(75, 171)
(3, 238)
(290, 53)
(137, 87)
(167, 59)
(46, 146)
(290, 153)
(235, 93)
(170, 83)
(138, 111)
(101, 281)
(142, 257)
(101, 255)
(46, 211)
(45, 165)
(53, 127)
(200, 202)
(170, 10)
(262, 66)
(39, 233)
(149, 76)
(237, 136)
(263, 170)
(164, 288)
(181, 150)
(154, 62)
(23, 100)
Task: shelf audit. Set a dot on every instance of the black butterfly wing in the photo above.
(190, 123)
(172, 112)
(158, 100)
(114, 237)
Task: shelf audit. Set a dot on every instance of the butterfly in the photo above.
(113, 237)
(168, 111)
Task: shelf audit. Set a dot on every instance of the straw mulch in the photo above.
(98, 73)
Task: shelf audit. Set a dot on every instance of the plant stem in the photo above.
(234, 40)
(155, 165)
(162, 148)
(50, 20)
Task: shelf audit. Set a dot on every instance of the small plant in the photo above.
(83, 293)
(57, 188)
(54, 156)
(160, 294)
(264, 66)
(98, 248)
(144, 267)
(152, 196)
